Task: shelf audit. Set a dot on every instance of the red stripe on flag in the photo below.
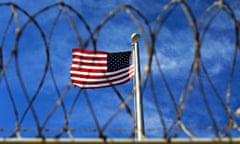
(90, 64)
(90, 58)
(100, 86)
(88, 70)
(88, 51)
(106, 80)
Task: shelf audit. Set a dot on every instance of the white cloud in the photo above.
(175, 51)
(217, 53)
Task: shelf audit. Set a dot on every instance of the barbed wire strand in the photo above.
(18, 71)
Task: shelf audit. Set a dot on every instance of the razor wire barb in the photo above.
(150, 35)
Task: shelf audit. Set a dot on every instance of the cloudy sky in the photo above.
(39, 70)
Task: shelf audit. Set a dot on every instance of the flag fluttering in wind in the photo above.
(97, 69)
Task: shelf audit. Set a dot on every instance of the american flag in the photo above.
(98, 69)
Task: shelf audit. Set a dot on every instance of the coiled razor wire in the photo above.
(149, 35)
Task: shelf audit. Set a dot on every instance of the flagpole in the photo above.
(138, 93)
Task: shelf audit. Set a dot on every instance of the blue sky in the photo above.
(175, 51)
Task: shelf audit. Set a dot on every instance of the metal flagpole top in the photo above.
(135, 37)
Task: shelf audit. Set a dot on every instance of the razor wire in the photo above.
(150, 35)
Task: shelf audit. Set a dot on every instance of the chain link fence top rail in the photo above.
(38, 99)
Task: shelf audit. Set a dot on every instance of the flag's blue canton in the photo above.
(117, 61)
